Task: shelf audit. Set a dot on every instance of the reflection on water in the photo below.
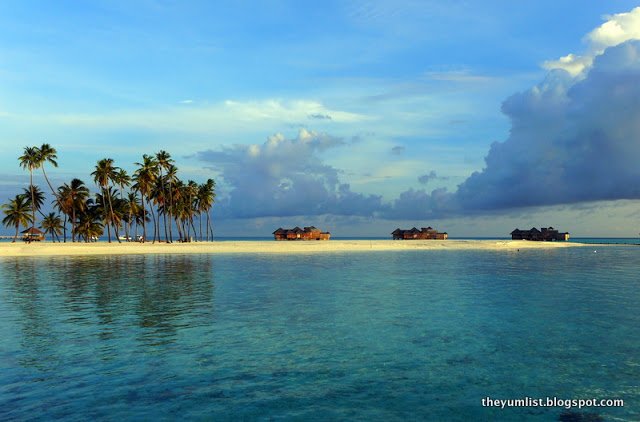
(104, 297)
(381, 336)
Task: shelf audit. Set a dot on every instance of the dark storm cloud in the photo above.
(570, 141)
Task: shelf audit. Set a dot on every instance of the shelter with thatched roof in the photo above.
(423, 233)
(32, 234)
(544, 234)
(296, 233)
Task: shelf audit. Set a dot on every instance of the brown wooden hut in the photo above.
(32, 234)
(296, 233)
(544, 234)
(423, 233)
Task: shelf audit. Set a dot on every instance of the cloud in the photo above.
(398, 150)
(320, 116)
(419, 204)
(432, 175)
(461, 76)
(289, 111)
(570, 141)
(224, 116)
(617, 29)
(286, 177)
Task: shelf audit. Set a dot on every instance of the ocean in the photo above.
(379, 336)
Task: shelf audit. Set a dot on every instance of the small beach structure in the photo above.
(423, 233)
(32, 234)
(544, 234)
(296, 233)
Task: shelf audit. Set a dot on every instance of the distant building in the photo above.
(296, 233)
(544, 234)
(423, 233)
(32, 234)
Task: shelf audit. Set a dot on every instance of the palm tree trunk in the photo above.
(164, 217)
(73, 223)
(179, 231)
(33, 198)
(115, 228)
(144, 220)
(209, 225)
(16, 235)
(49, 183)
(155, 223)
(64, 228)
(170, 211)
(109, 232)
(195, 233)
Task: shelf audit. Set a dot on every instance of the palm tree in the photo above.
(103, 175)
(206, 198)
(122, 179)
(52, 224)
(144, 178)
(164, 160)
(171, 177)
(89, 226)
(48, 154)
(134, 209)
(109, 213)
(159, 200)
(31, 159)
(16, 214)
(34, 197)
(72, 201)
(185, 205)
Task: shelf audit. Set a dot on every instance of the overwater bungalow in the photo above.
(544, 234)
(296, 233)
(423, 233)
(32, 234)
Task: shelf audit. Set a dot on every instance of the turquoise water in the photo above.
(421, 335)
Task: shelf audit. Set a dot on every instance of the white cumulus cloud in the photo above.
(617, 29)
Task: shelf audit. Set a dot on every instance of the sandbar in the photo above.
(266, 247)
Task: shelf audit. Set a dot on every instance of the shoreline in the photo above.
(19, 249)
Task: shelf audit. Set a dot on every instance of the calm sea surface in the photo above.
(421, 335)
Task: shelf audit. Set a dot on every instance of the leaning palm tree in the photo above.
(103, 175)
(31, 159)
(17, 213)
(48, 154)
(52, 225)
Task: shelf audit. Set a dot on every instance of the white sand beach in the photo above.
(266, 247)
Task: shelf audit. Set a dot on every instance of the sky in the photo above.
(356, 117)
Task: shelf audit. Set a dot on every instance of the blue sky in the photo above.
(352, 116)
